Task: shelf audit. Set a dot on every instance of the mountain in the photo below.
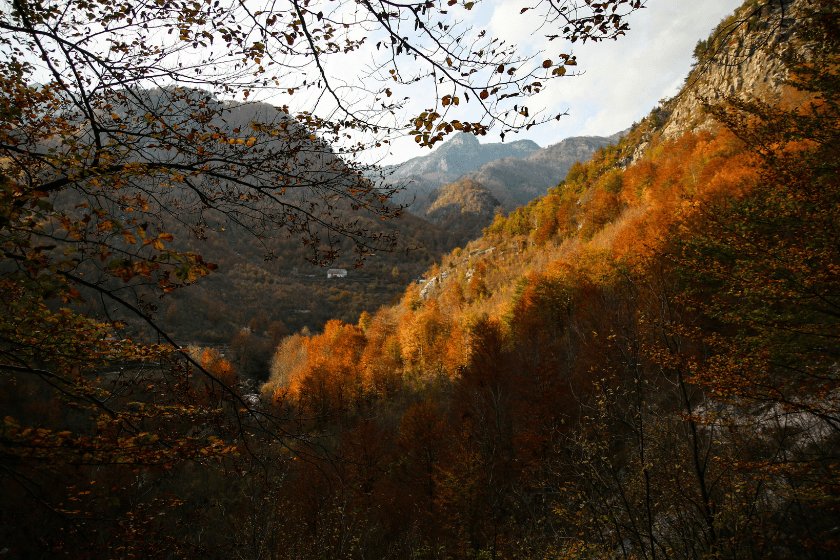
(263, 281)
(498, 185)
(518, 181)
(462, 154)
(459, 188)
(514, 173)
(463, 208)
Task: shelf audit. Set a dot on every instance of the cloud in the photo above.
(623, 80)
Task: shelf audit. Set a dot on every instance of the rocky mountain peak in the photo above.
(461, 154)
(462, 139)
(513, 173)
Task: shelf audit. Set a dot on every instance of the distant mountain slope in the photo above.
(463, 208)
(265, 279)
(516, 182)
(514, 173)
(462, 154)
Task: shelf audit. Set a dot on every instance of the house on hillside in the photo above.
(337, 273)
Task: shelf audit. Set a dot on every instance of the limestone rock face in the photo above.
(748, 62)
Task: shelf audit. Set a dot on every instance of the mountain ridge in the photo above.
(526, 173)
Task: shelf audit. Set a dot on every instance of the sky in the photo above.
(622, 80)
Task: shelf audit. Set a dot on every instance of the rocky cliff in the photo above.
(743, 56)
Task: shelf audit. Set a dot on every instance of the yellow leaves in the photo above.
(129, 237)
(231, 142)
(158, 241)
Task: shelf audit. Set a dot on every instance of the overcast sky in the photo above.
(622, 80)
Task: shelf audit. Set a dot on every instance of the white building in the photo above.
(337, 273)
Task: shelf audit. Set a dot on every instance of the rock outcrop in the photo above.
(743, 56)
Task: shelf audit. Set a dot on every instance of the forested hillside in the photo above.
(259, 277)
(263, 290)
(274, 283)
(277, 278)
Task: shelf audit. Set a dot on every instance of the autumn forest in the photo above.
(642, 363)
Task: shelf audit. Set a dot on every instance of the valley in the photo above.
(222, 336)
